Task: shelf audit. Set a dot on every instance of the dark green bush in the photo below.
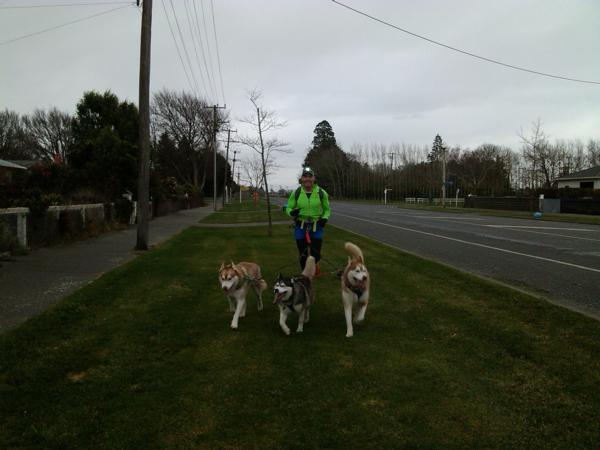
(123, 210)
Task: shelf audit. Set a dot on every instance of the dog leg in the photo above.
(231, 304)
(259, 290)
(259, 294)
(243, 313)
(307, 315)
(301, 320)
(282, 321)
(348, 314)
(241, 304)
(360, 315)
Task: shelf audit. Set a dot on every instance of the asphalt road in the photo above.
(560, 261)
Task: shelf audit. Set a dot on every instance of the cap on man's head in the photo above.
(307, 172)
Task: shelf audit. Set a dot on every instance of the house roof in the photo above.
(11, 165)
(27, 163)
(592, 172)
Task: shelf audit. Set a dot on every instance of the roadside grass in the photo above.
(553, 217)
(246, 212)
(144, 358)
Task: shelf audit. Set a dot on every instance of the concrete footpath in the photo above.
(31, 283)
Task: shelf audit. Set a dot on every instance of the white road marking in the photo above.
(475, 244)
(539, 228)
(448, 218)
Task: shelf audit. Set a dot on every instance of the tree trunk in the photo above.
(264, 165)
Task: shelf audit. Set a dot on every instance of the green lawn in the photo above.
(246, 212)
(144, 358)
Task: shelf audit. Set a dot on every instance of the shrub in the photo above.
(123, 210)
(36, 202)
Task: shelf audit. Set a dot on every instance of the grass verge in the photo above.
(246, 212)
(144, 358)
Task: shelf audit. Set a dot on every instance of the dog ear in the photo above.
(279, 277)
(222, 266)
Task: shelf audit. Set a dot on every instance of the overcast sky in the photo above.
(315, 60)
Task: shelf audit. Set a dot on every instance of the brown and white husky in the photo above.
(236, 280)
(355, 287)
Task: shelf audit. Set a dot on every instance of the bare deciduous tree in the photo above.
(252, 171)
(186, 120)
(263, 122)
(50, 133)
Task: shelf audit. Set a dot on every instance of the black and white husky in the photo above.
(295, 295)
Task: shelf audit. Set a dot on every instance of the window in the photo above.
(586, 185)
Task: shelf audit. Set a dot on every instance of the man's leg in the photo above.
(302, 251)
(315, 248)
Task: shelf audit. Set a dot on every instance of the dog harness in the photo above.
(359, 292)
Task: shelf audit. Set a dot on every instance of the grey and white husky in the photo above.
(295, 295)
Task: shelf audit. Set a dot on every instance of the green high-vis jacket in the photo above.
(311, 208)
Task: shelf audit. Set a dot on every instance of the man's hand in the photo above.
(295, 212)
(322, 222)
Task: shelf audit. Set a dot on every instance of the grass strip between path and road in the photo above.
(245, 212)
(144, 358)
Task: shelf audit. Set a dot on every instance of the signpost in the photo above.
(385, 191)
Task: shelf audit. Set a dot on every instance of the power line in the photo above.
(207, 65)
(46, 30)
(187, 55)
(62, 5)
(177, 46)
(210, 60)
(212, 11)
(464, 52)
(187, 13)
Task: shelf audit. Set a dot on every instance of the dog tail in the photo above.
(261, 284)
(310, 268)
(355, 251)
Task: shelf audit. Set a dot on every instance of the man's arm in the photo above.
(290, 202)
(325, 206)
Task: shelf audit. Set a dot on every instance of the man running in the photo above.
(309, 206)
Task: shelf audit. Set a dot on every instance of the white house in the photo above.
(584, 179)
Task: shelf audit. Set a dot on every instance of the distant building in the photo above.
(584, 179)
(7, 168)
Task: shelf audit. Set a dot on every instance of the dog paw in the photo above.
(299, 331)
(234, 327)
(287, 332)
(349, 334)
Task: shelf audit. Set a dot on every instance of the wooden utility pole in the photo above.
(143, 197)
(214, 149)
(235, 152)
(225, 178)
(443, 176)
